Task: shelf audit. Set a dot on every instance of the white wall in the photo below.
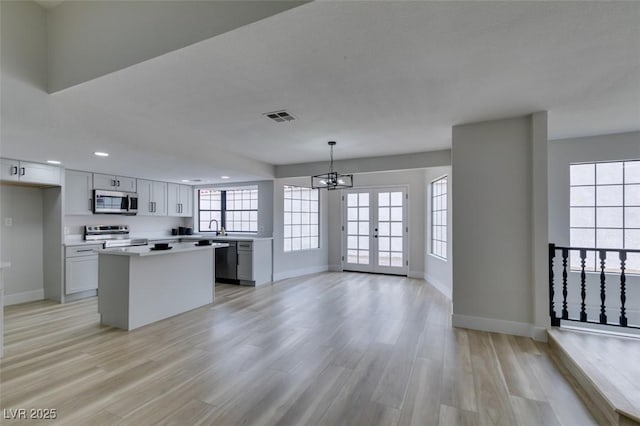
(22, 243)
(493, 247)
(563, 152)
(139, 226)
(438, 270)
(415, 181)
(293, 264)
(389, 163)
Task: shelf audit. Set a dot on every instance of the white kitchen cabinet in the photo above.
(27, 172)
(81, 269)
(180, 200)
(78, 192)
(245, 261)
(152, 198)
(115, 183)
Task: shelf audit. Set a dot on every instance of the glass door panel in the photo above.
(358, 244)
(390, 232)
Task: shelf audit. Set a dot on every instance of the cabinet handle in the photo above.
(155, 208)
(118, 183)
(79, 251)
(90, 203)
(14, 170)
(22, 171)
(113, 182)
(150, 206)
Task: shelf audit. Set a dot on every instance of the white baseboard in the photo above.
(499, 326)
(335, 268)
(439, 285)
(299, 272)
(23, 297)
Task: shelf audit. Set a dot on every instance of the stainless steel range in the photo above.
(112, 236)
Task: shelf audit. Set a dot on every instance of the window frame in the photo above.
(309, 212)
(432, 238)
(224, 211)
(593, 263)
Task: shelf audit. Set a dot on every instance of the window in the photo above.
(605, 211)
(439, 217)
(301, 217)
(236, 210)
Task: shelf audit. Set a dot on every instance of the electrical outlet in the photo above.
(8, 221)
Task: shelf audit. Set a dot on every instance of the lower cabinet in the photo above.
(252, 264)
(80, 269)
(245, 261)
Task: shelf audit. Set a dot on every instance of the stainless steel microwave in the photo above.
(115, 202)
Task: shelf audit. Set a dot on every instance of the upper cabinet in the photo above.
(78, 192)
(31, 173)
(180, 200)
(116, 183)
(152, 198)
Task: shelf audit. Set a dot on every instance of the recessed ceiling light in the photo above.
(186, 180)
(101, 154)
(53, 162)
(225, 177)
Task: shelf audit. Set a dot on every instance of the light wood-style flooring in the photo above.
(328, 349)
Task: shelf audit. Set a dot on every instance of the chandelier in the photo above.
(332, 180)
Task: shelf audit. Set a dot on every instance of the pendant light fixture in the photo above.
(332, 180)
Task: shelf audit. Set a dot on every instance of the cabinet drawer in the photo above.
(245, 245)
(78, 251)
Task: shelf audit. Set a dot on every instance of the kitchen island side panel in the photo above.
(163, 286)
(113, 290)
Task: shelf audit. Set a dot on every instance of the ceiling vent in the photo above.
(279, 116)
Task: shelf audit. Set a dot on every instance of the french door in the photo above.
(375, 230)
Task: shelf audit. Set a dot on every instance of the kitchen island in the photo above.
(138, 286)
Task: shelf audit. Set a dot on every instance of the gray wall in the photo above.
(437, 270)
(88, 39)
(22, 243)
(265, 203)
(291, 264)
(492, 225)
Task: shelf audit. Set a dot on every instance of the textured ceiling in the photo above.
(381, 78)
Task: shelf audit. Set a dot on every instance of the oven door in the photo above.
(113, 202)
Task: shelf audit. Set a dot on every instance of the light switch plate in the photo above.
(8, 221)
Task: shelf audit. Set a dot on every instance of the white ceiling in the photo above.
(381, 78)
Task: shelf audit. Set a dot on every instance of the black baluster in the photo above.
(555, 321)
(565, 311)
(603, 314)
(583, 285)
(623, 290)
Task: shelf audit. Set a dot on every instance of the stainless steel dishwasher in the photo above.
(227, 263)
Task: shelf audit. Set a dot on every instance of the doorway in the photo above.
(375, 231)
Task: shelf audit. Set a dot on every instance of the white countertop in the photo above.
(4, 264)
(146, 250)
(197, 237)
(78, 241)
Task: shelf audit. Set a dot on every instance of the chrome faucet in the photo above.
(217, 226)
